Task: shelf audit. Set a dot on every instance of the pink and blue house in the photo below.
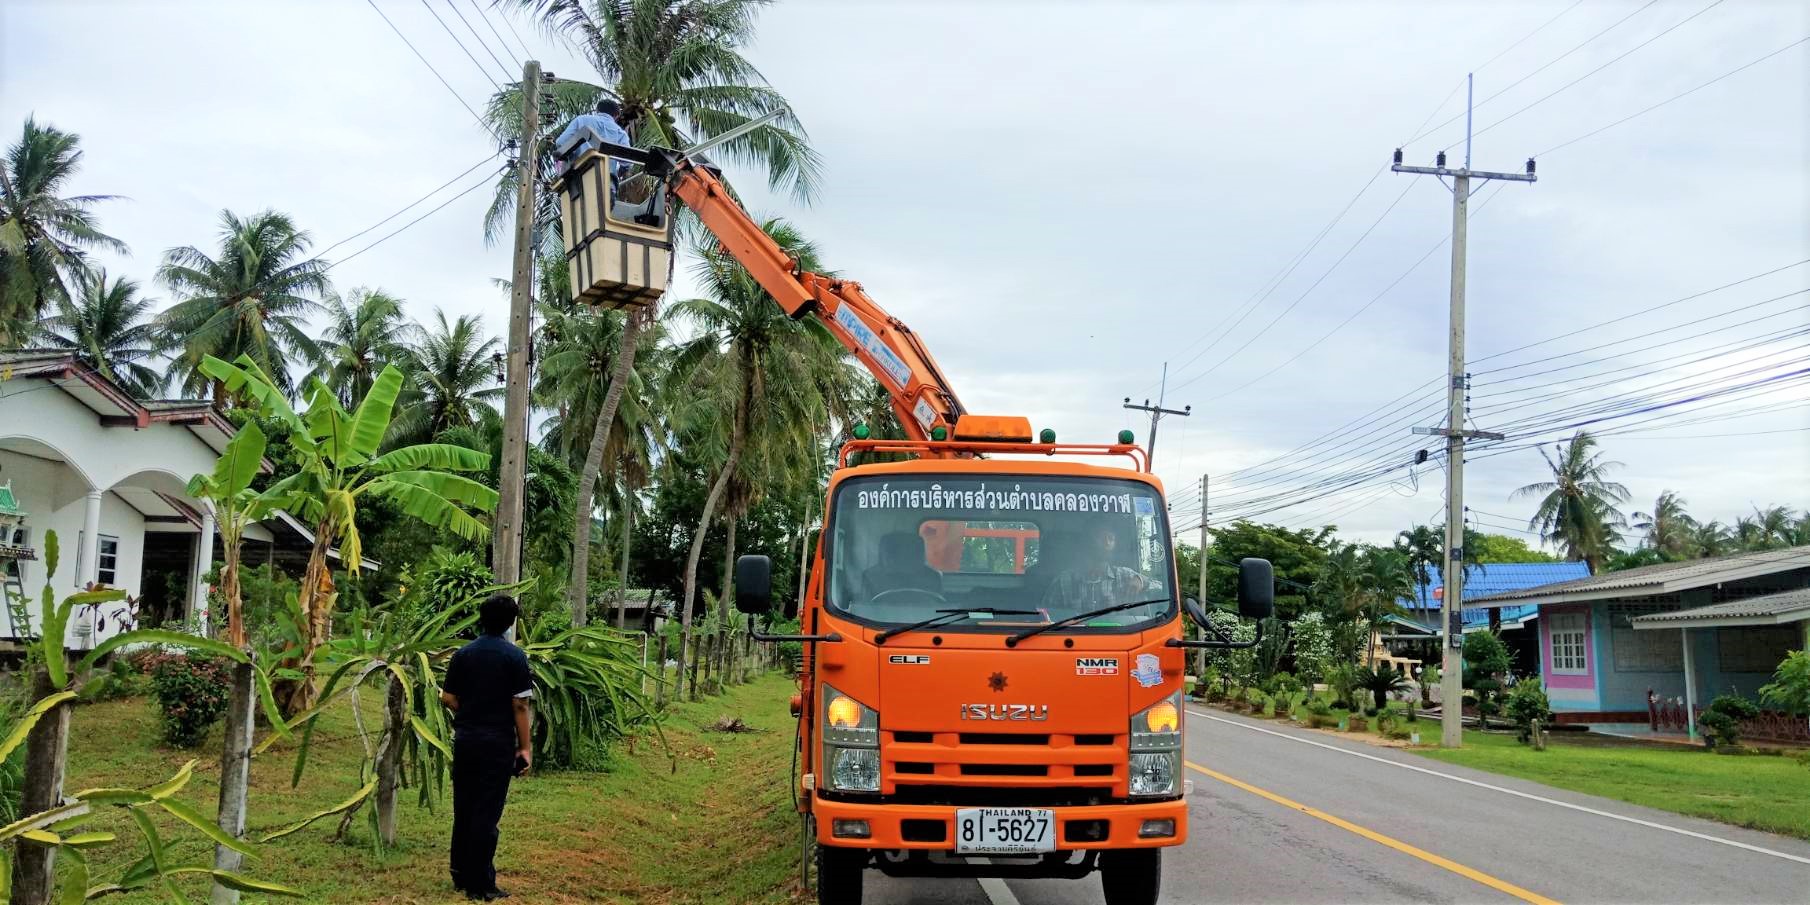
(1676, 632)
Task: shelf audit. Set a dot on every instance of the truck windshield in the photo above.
(903, 549)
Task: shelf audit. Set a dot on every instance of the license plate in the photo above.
(1004, 830)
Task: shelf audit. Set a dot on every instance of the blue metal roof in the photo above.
(1495, 578)
(1498, 578)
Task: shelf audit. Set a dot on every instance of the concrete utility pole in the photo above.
(1204, 513)
(1157, 412)
(506, 532)
(1451, 673)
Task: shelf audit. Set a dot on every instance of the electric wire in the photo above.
(1555, 92)
(507, 74)
(1683, 94)
(526, 53)
(399, 230)
(437, 189)
(430, 67)
(1547, 65)
(468, 54)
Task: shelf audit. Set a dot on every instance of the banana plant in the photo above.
(340, 462)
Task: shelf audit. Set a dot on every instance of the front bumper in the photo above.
(888, 828)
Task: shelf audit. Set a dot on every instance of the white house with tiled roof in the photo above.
(108, 473)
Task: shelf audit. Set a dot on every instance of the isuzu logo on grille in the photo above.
(1033, 712)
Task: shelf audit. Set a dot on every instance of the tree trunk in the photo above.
(235, 762)
(229, 589)
(628, 528)
(389, 760)
(736, 429)
(692, 679)
(578, 588)
(316, 601)
(34, 864)
(722, 602)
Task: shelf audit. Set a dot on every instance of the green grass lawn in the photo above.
(719, 829)
(1764, 793)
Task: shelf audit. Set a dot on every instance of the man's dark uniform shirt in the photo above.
(486, 676)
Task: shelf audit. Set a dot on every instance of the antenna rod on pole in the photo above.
(1157, 412)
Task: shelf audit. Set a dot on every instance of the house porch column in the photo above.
(204, 562)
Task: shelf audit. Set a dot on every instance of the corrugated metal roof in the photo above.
(1497, 578)
(1673, 575)
(1785, 606)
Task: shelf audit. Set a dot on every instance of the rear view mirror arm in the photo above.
(758, 635)
(1219, 641)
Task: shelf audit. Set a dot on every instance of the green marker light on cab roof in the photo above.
(1047, 436)
(939, 433)
(1125, 437)
(862, 432)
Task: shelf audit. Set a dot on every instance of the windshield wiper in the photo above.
(946, 616)
(1061, 623)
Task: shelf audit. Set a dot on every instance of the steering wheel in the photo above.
(927, 593)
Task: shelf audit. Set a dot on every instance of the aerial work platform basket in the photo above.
(615, 228)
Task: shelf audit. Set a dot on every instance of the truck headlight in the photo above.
(1153, 774)
(851, 743)
(1156, 747)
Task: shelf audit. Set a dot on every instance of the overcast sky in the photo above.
(1060, 197)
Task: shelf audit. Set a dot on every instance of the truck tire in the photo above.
(839, 873)
(1131, 876)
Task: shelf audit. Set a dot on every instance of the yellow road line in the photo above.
(1400, 846)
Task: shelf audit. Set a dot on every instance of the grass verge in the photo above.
(712, 824)
(1759, 792)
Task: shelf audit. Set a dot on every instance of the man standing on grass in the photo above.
(489, 689)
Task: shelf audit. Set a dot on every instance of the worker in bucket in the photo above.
(603, 124)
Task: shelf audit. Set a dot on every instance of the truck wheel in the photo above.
(839, 875)
(1131, 876)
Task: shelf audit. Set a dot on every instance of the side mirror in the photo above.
(1195, 611)
(1256, 588)
(754, 584)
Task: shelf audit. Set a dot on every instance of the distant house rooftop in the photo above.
(1771, 609)
(1664, 578)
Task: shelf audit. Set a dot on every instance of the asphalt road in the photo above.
(1287, 815)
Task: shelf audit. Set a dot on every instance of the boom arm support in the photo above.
(920, 394)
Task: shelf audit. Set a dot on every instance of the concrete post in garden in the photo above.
(660, 674)
(389, 759)
(235, 774)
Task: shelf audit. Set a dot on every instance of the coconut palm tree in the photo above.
(1424, 550)
(1668, 528)
(253, 299)
(676, 68)
(452, 374)
(592, 374)
(1711, 538)
(1774, 527)
(750, 371)
(1577, 507)
(366, 329)
(105, 326)
(45, 236)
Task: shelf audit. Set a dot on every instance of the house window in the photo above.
(108, 561)
(1758, 649)
(1568, 658)
(1644, 650)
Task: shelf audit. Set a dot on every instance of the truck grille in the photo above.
(1002, 796)
(914, 761)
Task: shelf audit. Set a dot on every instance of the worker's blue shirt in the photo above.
(601, 123)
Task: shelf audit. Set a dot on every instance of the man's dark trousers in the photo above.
(483, 762)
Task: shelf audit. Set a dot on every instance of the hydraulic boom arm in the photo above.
(920, 394)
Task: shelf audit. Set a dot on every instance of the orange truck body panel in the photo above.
(919, 683)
